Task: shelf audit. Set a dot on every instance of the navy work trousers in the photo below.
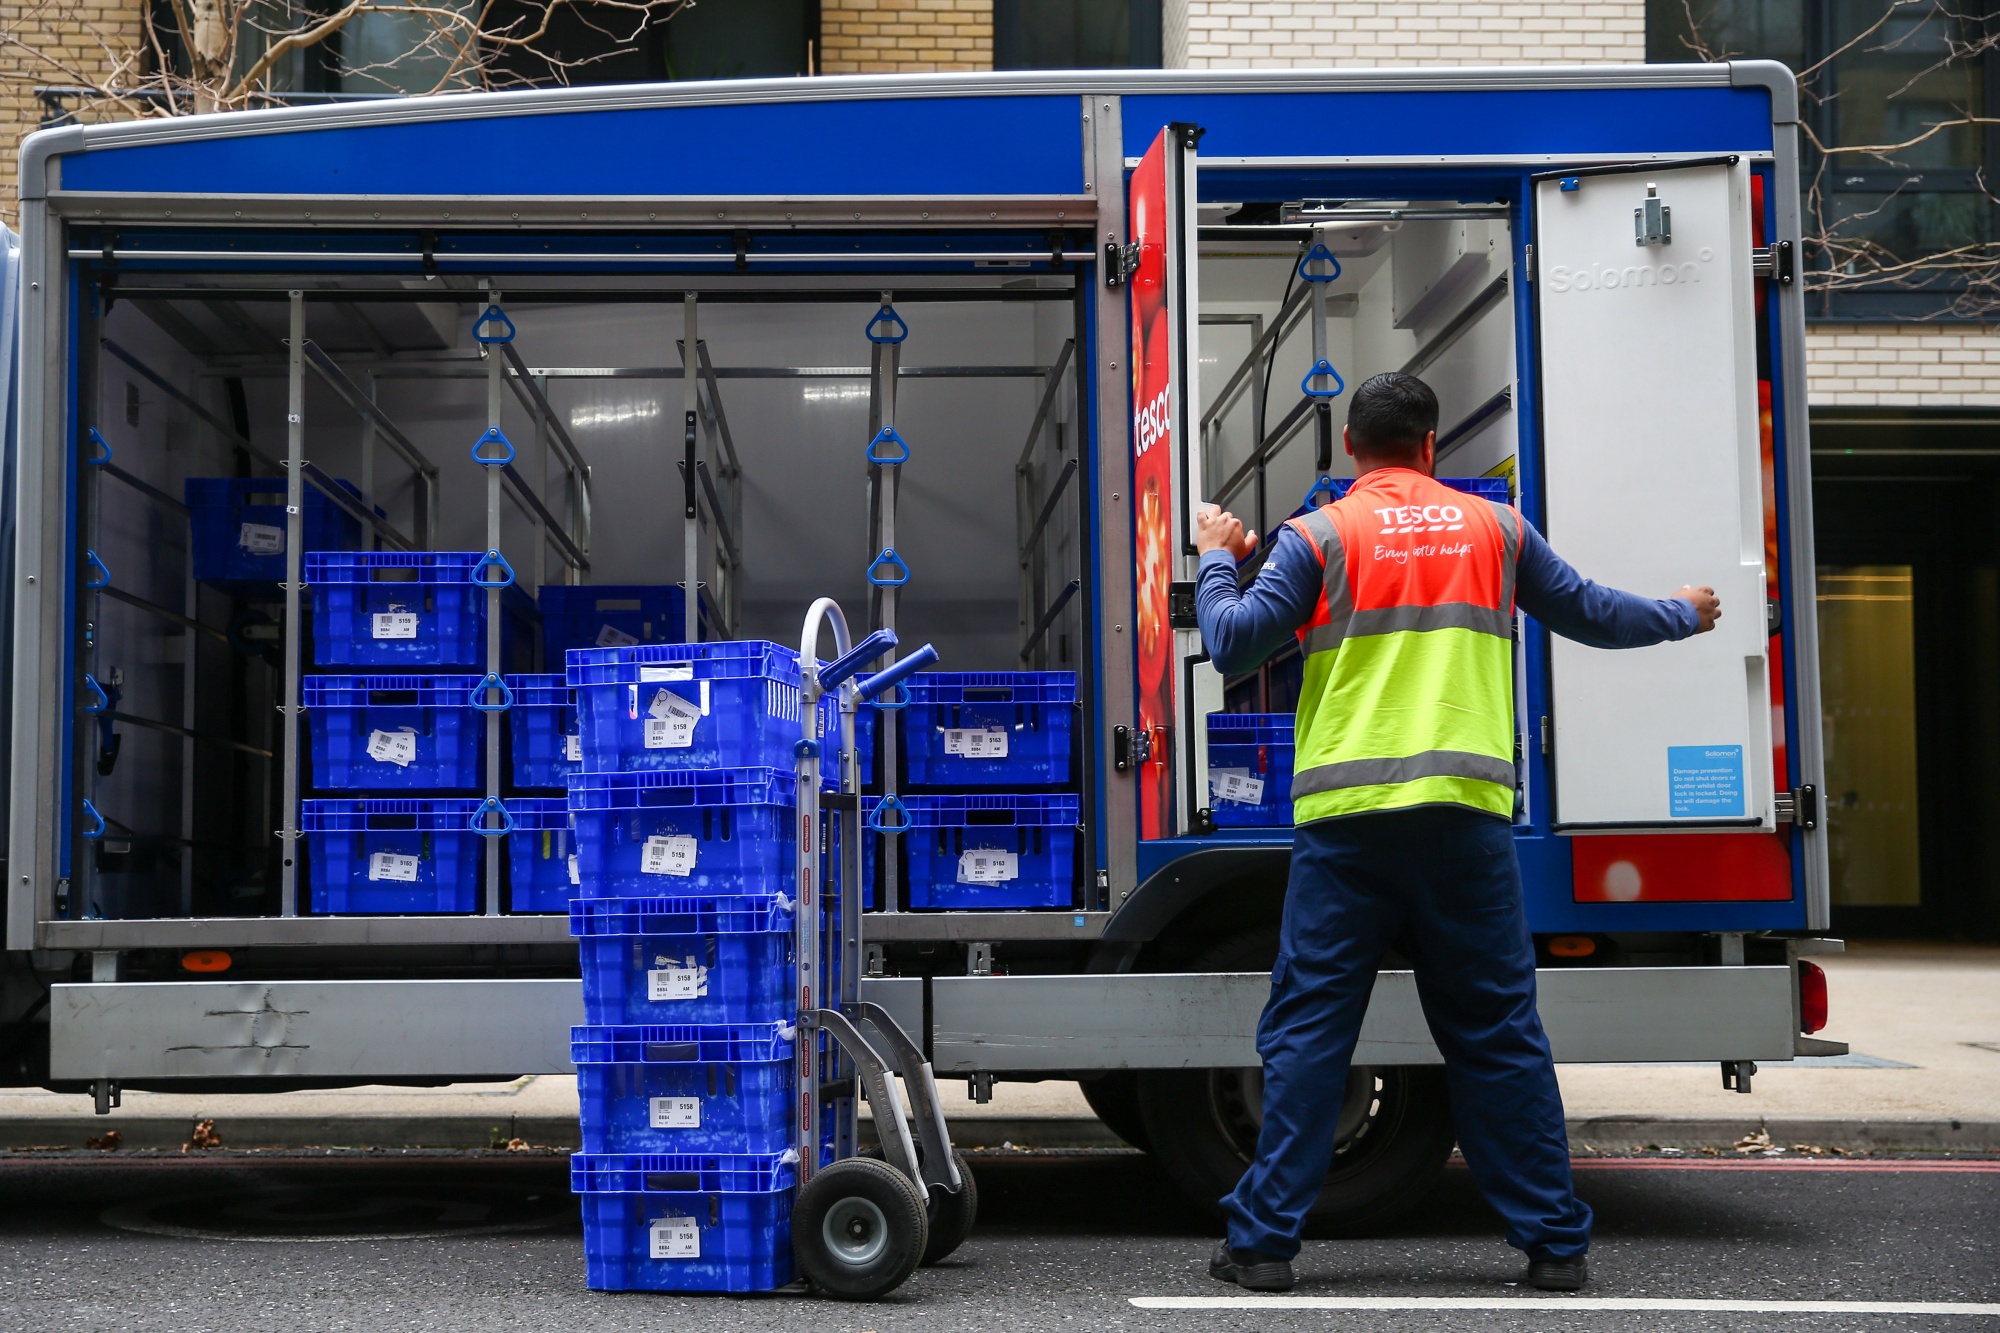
(1442, 884)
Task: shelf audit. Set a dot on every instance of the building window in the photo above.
(1076, 34)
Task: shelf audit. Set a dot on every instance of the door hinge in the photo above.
(1775, 262)
(1799, 806)
(1120, 262)
(1180, 606)
(1774, 616)
(1545, 733)
(1121, 749)
(1528, 263)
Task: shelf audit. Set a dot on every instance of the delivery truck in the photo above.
(335, 429)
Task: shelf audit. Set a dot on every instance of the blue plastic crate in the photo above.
(988, 728)
(686, 1222)
(542, 729)
(1250, 770)
(697, 959)
(981, 851)
(541, 855)
(680, 706)
(606, 615)
(642, 834)
(394, 733)
(362, 601)
(1496, 489)
(361, 855)
(239, 529)
(670, 1102)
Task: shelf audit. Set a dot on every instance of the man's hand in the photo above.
(1216, 529)
(1707, 607)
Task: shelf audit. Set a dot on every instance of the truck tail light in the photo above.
(1812, 996)
(206, 960)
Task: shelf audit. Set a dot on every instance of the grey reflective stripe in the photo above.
(1389, 772)
(1339, 600)
(1450, 615)
(1510, 536)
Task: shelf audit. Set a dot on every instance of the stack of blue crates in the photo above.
(1250, 770)
(684, 811)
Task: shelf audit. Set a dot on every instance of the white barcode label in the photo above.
(670, 722)
(610, 636)
(675, 1238)
(395, 624)
(573, 749)
(985, 865)
(1231, 784)
(976, 742)
(674, 1113)
(671, 854)
(392, 866)
(261, 539)
(393, 747)
(677, 983)
(575, 879)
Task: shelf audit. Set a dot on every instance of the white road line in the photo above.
(1545, 1303)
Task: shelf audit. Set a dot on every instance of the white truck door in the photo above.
(1644, 300)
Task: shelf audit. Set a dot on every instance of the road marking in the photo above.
(1545, 1303)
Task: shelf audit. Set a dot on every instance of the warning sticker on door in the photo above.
(392, 866)
(669, 854)
(986, 865)
(395, 624)
(674, 1113)
(261, 539)
(1705, 782)
(675, 1238)
(976, 742)
(397, 747)
(1236, 784)
(674, 982)
(610, 636)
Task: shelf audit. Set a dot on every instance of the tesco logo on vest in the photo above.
(1421, 518)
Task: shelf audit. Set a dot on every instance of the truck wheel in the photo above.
(1393, 1138)
(858, 1229)
(1115, 1099)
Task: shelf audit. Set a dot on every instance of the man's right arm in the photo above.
(1577, 608)
(1241, 627)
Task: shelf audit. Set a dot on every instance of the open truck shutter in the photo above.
(1648, 378)
(1177, 688)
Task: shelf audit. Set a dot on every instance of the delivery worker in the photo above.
(1402, 595)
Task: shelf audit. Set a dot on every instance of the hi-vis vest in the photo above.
(1408, 696)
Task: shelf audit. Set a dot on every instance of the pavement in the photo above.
(1923, 1022)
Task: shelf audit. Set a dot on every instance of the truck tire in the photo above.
(1393, 1140)
(1115, 1099)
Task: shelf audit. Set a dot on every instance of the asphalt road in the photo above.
(1066, 1242)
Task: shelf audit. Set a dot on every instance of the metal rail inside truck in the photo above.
(961, 351)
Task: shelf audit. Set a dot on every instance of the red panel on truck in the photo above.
(1681, 868)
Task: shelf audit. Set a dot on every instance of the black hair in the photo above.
(1391, 414)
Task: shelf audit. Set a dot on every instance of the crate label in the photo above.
(1236, 784)
(392, 866)
(671, 721)
(610, 636)
(397, 747)
(395, 624)
(987, 865)
(671, 671)
(675, 1238)
(573, 749)
(668, 854)
(677, 983)
(976, 742)
(261, 539)
(674, 1113)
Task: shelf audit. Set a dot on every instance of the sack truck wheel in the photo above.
(951, 1216)
(858, 1229)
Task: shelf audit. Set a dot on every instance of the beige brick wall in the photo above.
(1279, 34)
(1903, 365)
(904, 36)
(72, 41)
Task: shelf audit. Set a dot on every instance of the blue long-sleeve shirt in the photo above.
(1243, 627)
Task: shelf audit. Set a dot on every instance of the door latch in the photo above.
(1120, 262)
(1775, 262)
(1800, 806)
(1652, 220)
(1180, 606)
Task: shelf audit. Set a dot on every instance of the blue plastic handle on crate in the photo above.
(860, 655)
(1322, 486)
(894, 806)
(898, 672)
(492, 682)
(492, 314)
(90, 558)
(902, 699)
(893, 561)
(103, 699)
(887, 313)
(491, 560)
(91, 810)
(1322, 367)
(490, 806)
(98, 439)
(888, 433)
(1313, 256)
(492, 434)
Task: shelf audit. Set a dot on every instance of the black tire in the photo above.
(951, 1216)
(859, 1229)
(1115, 1099)
(1394, 1138)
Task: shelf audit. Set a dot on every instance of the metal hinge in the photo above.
(1528, 263)
(1799, 806)
(1545, 733)
(1130, 747)
(1120, 262)
(1773, 261)
(1180, 606)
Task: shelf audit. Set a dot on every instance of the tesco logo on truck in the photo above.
(1612, 277)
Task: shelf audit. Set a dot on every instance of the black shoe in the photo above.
(1558, 1274)
(1250, 1270)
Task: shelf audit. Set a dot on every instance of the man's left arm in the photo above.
(1550, 589)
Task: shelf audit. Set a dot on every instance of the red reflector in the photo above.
(206, 960)
(1812, 996)
(1572, 946)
